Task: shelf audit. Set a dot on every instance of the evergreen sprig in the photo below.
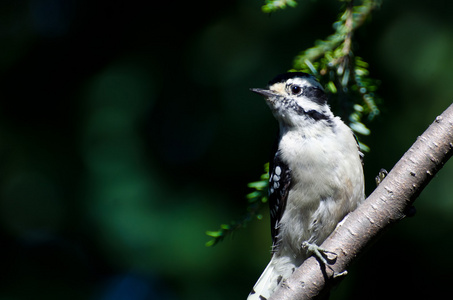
(274, 5)
(344, 75)
(255, 201)
(333, 62)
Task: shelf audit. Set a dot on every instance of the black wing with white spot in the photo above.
(279, 184)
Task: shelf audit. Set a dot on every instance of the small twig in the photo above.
(349, 26)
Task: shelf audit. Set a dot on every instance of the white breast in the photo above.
(326, 182)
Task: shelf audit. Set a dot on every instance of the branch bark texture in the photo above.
(385, 206)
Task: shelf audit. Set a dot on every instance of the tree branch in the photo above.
(385, 206)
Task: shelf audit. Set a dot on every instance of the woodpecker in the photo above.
(315, 175)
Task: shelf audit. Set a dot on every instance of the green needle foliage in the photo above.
(274, 5)
(255, 201)
(345, 77)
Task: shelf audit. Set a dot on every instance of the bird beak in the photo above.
(263, 92)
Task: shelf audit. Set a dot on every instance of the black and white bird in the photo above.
(315, 175)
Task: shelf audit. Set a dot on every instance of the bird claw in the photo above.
(325, 256)
(321, 253)
(380, 177)
(339, 274)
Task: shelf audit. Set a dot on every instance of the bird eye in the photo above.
(295, 89)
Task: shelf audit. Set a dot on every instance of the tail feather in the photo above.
(279, 268)
(266, 284)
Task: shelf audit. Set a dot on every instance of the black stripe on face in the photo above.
(313, 114)
(315, 94)
(316, 115)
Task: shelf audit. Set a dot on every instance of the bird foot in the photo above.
(325, 256)
(382, 174)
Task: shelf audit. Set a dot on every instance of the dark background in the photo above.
(127, 130)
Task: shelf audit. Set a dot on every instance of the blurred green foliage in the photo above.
(274, 5)
(128, 128)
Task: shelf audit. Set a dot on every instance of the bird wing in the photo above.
(279, 185)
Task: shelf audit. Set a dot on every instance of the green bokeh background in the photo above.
(127, 130)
